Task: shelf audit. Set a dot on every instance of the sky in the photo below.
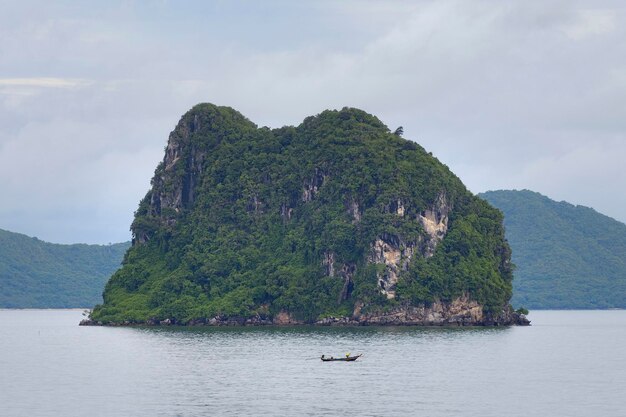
(509, 95)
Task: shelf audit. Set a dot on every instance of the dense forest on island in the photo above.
(567, 256)
(338, 216)
(38, 274)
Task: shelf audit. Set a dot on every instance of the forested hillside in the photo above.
(567, 256)
(37, 274)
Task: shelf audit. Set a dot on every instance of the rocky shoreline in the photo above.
(460, 312)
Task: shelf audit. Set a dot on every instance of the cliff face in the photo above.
(335, 218)
(178, 175)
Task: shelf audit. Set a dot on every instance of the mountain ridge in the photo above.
(39, 274)
(568, 256)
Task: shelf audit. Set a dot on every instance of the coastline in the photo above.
(460, 312)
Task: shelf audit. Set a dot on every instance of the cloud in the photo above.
(16, 90)
(43, 82)
(507, 94)
(590, 23)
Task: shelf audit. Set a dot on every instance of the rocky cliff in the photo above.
(334, 221)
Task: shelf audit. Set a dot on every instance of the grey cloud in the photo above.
(509, 95)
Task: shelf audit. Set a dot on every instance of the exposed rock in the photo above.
(354, 210)
(461, 311)
(256, 320)
(312, 185)
(329, 263)
(172, 191)
(286, 211)
(435, 223)
(333, 321)
(395, 206)
(347, 272)
(396, 254)
(181, 195)
(400, 209)
(358, 306)
(254, 204)
(284, 317)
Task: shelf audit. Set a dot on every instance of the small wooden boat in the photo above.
(344, 359)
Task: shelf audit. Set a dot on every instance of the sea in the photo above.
(567, 363)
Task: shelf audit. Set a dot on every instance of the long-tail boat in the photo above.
(345, 358)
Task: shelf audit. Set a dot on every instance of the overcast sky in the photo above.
(509, 95)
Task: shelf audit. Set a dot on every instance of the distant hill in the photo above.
(37, 274)
(567, 256)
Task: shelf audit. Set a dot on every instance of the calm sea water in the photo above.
(569, 363)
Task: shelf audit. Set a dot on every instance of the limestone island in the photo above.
(338, 221)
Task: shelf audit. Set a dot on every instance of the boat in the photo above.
(344, 358)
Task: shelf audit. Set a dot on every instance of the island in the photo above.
(338, 221)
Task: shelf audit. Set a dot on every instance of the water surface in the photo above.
(569, 363)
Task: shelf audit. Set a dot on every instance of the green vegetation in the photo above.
(567, 257)
(240, 219)
(37, 274)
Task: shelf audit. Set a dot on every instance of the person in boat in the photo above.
(348, 355)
